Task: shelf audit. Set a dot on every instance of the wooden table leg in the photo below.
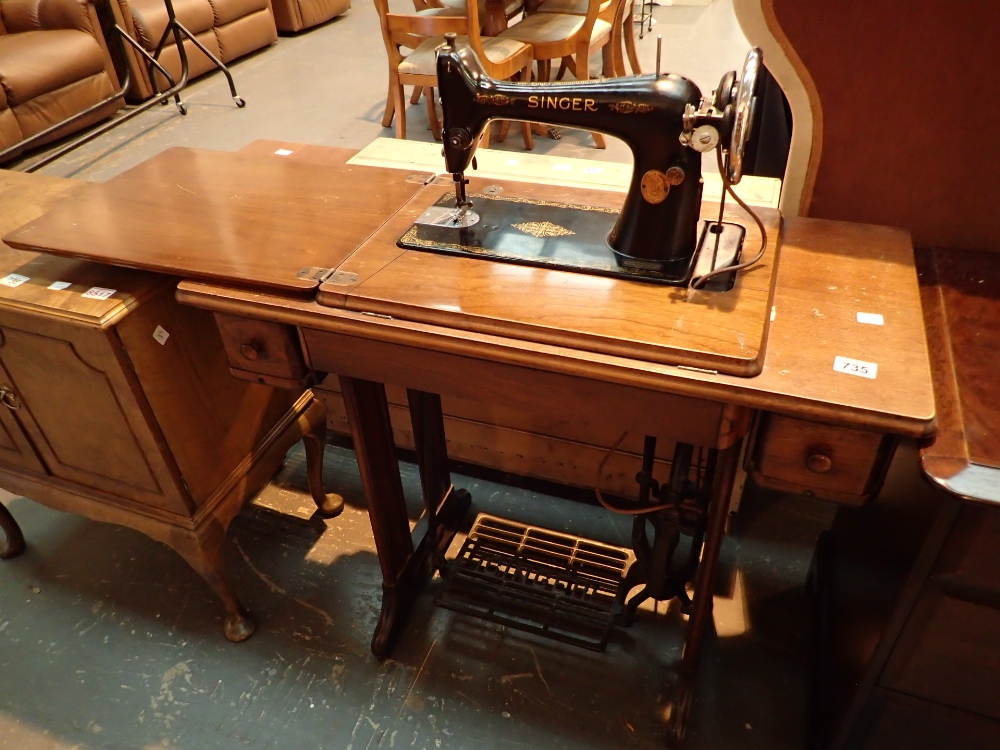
(404, 568)
(446, 505)
(701, 614)
(13, 538)
(313, 425)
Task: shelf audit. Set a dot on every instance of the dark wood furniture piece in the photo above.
(118, 405)
(442, 325)
(914, 652)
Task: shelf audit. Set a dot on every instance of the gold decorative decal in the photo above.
(630, 108)
(575, 103)
(499, 100)
(543, 229)
(655, 185)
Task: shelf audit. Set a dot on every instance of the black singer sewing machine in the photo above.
(667, 124)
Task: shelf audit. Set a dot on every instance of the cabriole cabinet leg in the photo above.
(13, 544)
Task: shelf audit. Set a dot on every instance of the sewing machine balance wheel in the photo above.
(741, 95)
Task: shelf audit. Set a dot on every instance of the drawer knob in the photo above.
(249, 351)
(8, 398)
(819, 463)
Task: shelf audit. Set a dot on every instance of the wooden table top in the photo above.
(828, 274)
(961, 294)
(223, 216)
(721, 331)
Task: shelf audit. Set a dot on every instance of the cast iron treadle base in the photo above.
(529, 578)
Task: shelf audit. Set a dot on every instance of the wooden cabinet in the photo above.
(118, 404)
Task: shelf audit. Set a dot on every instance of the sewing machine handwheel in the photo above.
(726, 92)
(743, 106)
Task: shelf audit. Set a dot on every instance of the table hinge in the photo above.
(314, 274)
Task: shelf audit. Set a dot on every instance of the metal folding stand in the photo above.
(175, 29)
(645, 16)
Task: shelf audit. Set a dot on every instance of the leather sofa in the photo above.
(296, 15)
(54, 64)
(229, 29)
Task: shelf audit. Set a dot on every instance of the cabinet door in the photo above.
(15, 447)
(84, 414)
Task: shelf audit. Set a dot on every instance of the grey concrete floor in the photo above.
(108, 640)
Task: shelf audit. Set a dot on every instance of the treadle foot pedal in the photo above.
(545, 582)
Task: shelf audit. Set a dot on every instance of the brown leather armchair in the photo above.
(54, 65)
(295, 15)
(227, 28)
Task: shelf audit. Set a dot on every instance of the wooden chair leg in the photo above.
(583, 74)
(502, 131)
(529, 142)
(415, 96)
(629, 30)
(390, 105)
(609, 54)
(564, 66)
(399, 102)
(432, 116)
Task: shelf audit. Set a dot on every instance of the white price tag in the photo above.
(872, 319)
(59, 285)
(98, 292)
(855, 367)
(13, 279)
(283, 152)
(593, 170)
(160, 335)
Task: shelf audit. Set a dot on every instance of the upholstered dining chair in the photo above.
(423, 33)
(616, 12)
(556, 36)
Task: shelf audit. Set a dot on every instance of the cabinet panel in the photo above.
(15, 448)
(81, 415)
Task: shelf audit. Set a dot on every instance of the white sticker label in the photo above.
(13, 279)
(774, 313)
(873, 319)
(855, 367)
(160, 335)
(283, 152)
(512, 162)
(58, 285)
(593, 170)
(98, 292)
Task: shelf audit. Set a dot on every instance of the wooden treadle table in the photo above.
(626, 356)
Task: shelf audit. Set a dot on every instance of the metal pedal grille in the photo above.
(545, 582)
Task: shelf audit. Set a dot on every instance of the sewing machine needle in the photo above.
(659, 48)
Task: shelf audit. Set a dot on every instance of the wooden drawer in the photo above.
(834, 463)
(263, 352)
(949, 653)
